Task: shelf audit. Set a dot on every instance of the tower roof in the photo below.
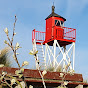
(53, 14)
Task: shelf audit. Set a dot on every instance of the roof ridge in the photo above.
(55, 15)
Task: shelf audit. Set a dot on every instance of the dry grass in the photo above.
(4, 59)
(50, 68)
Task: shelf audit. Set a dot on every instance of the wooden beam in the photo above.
(51, 78)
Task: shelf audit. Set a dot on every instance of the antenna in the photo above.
(53, 3)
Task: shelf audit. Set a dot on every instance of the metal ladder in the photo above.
(40, 56)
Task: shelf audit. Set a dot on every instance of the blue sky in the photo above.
(32, 13)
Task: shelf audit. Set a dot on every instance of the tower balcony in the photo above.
(63, 35)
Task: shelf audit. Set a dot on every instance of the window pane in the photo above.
(57, 23)
(61, 22)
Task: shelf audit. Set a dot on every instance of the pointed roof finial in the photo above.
(53, 7)
(53, 14)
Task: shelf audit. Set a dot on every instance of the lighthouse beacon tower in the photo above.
(56, 46)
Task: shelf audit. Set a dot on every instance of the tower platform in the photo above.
(62, 42)
(64, 36)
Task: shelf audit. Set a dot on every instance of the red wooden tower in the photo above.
(59, 43)
(55, 30)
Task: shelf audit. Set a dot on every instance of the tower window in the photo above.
(59, 23)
